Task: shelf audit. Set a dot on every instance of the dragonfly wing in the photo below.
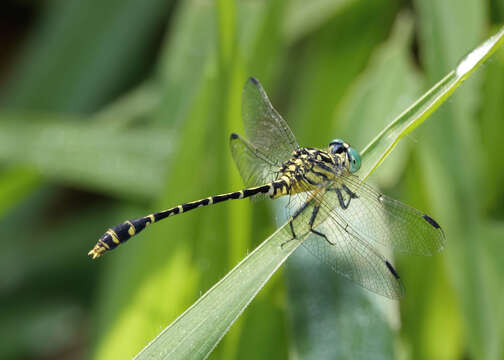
(352, 257)
(255, 167)
(264, 127)
(386, 221)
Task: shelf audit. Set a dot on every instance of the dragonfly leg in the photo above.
(313, 216)
(341, 200)
(312, 220)
(350, 193)
(293, 235)
(292, 231)
(322, 235)
(310, 223)
(293, 217)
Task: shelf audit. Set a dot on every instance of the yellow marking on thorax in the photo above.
(305, 164)
(329, 174)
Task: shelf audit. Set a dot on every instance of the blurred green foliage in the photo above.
(113, 109)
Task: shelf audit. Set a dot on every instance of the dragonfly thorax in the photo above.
(309, 168)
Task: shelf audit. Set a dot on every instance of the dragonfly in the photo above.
(346, 223)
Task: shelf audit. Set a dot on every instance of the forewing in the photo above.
(254, 167)
(353, 258)
(264, 127)
(389, 222)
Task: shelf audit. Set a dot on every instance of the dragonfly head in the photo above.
(351, 156)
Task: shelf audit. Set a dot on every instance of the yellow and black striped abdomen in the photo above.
(124, 231)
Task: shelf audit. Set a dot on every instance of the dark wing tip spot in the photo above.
(253, 80)
(392, 270)
(431, 221)
(233, 136)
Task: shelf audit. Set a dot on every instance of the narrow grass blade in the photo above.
(381, 146)
(198, 330)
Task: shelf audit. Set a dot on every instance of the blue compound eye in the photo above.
(354, 159)
(337, 146)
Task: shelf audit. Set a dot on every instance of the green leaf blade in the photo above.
(198, 330)
(416, 114)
